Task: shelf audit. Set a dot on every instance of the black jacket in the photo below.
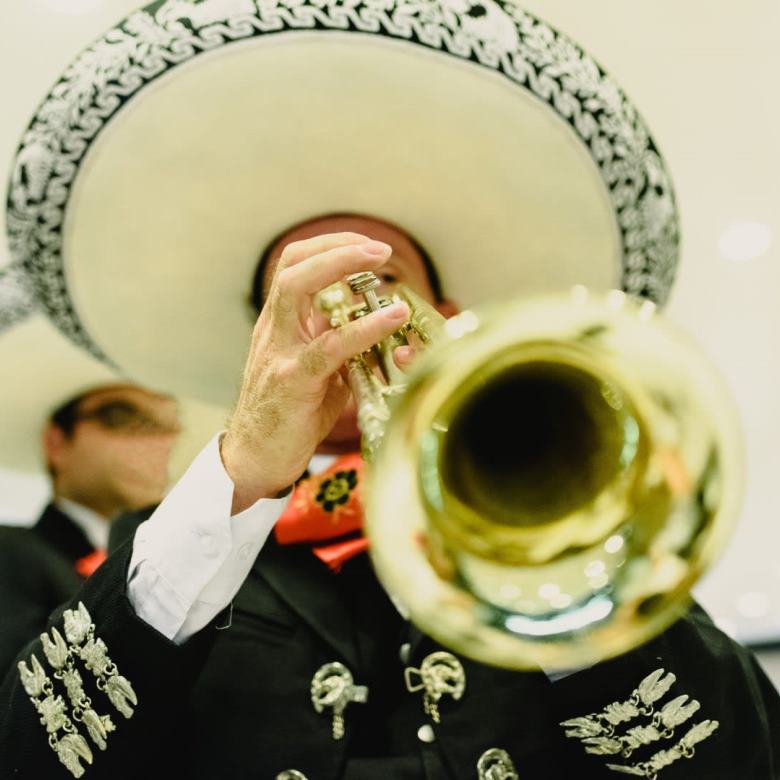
(37, 574)
(235, 703)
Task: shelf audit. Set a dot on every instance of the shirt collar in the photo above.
(94, 526)
(319, 462)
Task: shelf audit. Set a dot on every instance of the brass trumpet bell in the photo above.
(557, 475)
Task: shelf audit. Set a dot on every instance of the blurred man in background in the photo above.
(107, 452)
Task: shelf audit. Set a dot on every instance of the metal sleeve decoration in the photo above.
(71, 747)
(600, 735)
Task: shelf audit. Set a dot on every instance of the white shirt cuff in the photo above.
(191, 557)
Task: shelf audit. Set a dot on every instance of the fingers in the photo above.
(316, 272)
(404, 356)
(328, 352)
(294, 285)
(294, 253)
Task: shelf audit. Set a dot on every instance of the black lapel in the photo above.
(63, 534)
(124, 526)
(416, 640)
(309, 588)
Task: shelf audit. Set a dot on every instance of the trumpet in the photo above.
(550, 480)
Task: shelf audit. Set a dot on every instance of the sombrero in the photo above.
(175, 147)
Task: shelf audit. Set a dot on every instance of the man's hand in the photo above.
(404, 357)
(292, 392)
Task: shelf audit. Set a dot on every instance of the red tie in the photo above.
(326, 507)
(86, 566)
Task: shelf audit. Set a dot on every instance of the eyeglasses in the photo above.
(124, 417)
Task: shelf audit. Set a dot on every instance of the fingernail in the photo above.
(376, 248)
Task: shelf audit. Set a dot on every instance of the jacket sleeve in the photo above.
(100, 690)
(31, 585)
(691, 703)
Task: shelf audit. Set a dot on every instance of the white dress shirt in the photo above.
(191, 557)
(94, 526)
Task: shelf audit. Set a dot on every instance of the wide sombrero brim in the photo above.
(44, 370)
(141, 209)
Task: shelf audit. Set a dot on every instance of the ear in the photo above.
(54, 443)
(447, 308)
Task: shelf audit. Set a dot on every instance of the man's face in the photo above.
(116, 458)
(405, 266)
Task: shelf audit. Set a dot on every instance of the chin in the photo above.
(344, 436)
(140, 498)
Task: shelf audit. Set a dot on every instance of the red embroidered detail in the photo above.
(336, 555)
(327, 506)
(86, 566)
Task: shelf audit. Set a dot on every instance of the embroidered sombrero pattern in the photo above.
(16, 295)
(495, 35)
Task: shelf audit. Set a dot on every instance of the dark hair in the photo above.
(256, 295)
(65, 416)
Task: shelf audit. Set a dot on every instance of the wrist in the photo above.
(251, 481)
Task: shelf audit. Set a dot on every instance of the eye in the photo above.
(389, 278)
(117, 415)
